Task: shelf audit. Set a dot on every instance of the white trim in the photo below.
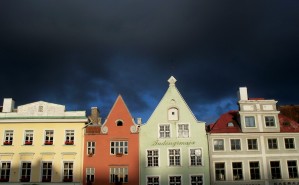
(257, 143)
(146, 160)
(260, 170)
(168, 160)
(175, 175)
(272, 149)
(230, 144)
(255, 121)
(199, 174)
(225, 170)
(276, 121)
(44, 121)
(152, 176)
(294, 140)
(224, 148)
(170, 131)
(41, 169)
(232, 170)
(177, 131)
(189, 156)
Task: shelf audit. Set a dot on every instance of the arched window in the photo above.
(173, 114)
(230, 124)
(119, 123)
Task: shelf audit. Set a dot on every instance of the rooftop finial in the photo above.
(171, 80)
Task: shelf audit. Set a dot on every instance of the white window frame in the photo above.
(259, 168)
(175, 183)
(174, 156)
(294, 143)
(119, 170)
(217, 145)
(153, 176)
(225, 171)
(254, 119)
(185, 133)
(124, 149)
(8, 136)
(91, 147)
(28, 137)
(49, 139)
(270, 168)
(277, 142)
(158, 158)
(47, 168)
(296, 167)
(26, 169)
(68, 169)
(202, 176)
(236, 145)
(69, 136)
(164, 132)
(6, 170)
(196, 157)
(242, 170)
(90, 172)
(274, 119)
(257, 144)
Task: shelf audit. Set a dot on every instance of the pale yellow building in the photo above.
(40, 143)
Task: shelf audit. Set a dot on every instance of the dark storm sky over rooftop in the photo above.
(84, 54)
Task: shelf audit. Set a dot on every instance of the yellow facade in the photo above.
(40, 122)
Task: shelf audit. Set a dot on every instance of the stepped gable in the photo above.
(227, 123)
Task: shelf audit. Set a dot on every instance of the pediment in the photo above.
(41, 108)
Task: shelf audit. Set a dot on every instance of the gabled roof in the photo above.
(119, 109)
(227, 123)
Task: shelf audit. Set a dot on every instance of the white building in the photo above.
(255, 145)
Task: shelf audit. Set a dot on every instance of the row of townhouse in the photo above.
(42, 143)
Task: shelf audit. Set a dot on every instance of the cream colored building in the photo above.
(41, 143)
(255, 145)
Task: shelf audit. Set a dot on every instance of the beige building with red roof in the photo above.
(255, 145)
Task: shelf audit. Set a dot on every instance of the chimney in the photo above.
(242, 93)
(95, 115)
(8, 105)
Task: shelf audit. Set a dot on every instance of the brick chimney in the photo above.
(95, 116)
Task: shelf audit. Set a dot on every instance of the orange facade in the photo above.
(111, 151)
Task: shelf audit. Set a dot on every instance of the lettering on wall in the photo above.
(172, 143)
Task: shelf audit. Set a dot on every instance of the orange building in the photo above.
(111, 151)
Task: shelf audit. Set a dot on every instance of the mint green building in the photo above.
(173, 144)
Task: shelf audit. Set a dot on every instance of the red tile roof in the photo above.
(287, 124)
(222, 124)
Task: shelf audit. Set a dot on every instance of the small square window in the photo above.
(270, 121)
(249, 121)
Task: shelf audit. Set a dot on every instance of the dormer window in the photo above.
(230, 124)
(173, 114)
(119, 123)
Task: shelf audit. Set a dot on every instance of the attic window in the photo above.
(286, 123)
(40, 108)
(230, 124)
(119, 123)
(173, 114)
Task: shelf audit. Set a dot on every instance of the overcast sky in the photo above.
(84, 53)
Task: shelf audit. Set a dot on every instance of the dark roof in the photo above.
(227, 123)
(291, 111)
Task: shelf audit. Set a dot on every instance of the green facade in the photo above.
(173, 144)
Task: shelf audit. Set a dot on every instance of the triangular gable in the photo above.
(172, 98)
(41, 108)
(119, 110)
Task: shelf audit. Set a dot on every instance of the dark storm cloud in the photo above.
(84, 54)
